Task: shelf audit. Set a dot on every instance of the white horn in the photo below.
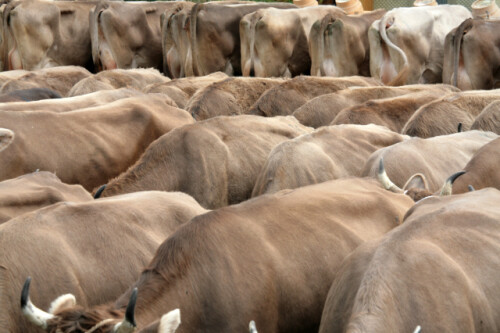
(34, 314)
(417, 329)
(384, 179)
(448, 184)
(252, 328)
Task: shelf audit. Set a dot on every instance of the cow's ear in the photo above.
(418, 180)
(170, 322)
(6, 138)
(62, 302)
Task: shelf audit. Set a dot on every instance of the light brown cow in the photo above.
(36, 190)
(215, 37)
(391, 112)
(443, 116)
(229, 97)
(28, 95)
(271, 259)
(285, 98)
(438, 270)
(217, 161)
(87, 146)
(321, 110)
(407, 44)
(118, 78)
(426, 163)
(94, 249)
(328, 153)
(72, 103)
(59, 79)
(182, 89)
(175, 41)
(488, 119)
(274, 42)
(45, 34)
(471, 60)
(482, 169)
(339, 45)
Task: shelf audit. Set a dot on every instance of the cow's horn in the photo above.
(384, 179)
(128, 324)
(252, 328)
(447, 187)
(417, 329)
(471, 188)
(34, 314)
(459, 129)
(99, 191)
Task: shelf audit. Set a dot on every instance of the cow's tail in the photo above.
(317, 44)
(457, 44)
(402, 75)
(255, 19)
(193, 34)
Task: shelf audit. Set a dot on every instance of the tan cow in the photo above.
(391, 112)
(118, 78)
(321, 110)
(271, 259)
(229, 97)
(425, 163)
(215, 37)
(471, 60)
(438, 270)
(444, 115)
(328, 153)
(36, 190)
(217, 161)
(274, 42)
(45, 34)
(488, 119)
(87, 146)
(93, 250)
(285, 98)
(407, 44)
(339, 45)
(59, 79)
(181, 90)
(127, 34)
(175, 41)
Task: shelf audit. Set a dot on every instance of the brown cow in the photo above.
(45, 34)
(72, 103)
(438, 270)
(28, 95)
(181, 90)
(285, 98)
(118, 78)
(87, 146)
(229, 97)
(127, 34)
(488, 119)
(217, 161)
(321, 110)
(471, 60)
(328, 153)
(391, 112)
(339, 45)
(407, 44)
(274, 42)
(443, 116)
(59, 79)
(426, 163)
(271, 259)
(36, 190)
(94, 249)
(215, 36)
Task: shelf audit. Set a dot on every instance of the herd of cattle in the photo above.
(167, 160)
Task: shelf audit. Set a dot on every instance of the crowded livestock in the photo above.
(240, 166)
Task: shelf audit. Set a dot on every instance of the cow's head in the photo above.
(416, 187)
(65, 316)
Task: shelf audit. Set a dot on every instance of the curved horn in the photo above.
(252, 328)
(99, 191)
(384, 179)
(459, 129)
(34, 314)
(128, 324)
(471, 188)
(447, 187)
(417, 329)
